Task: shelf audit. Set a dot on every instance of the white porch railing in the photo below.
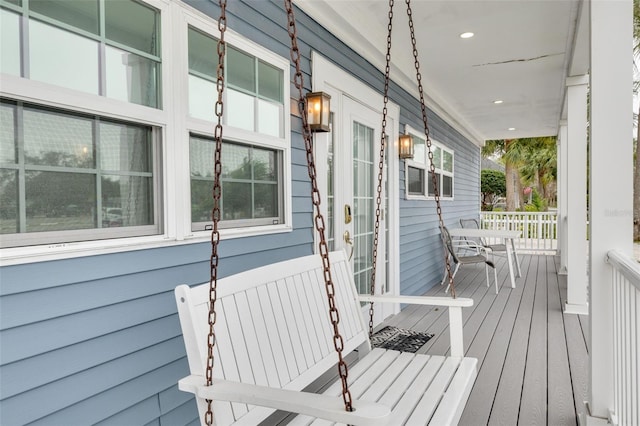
(626, 338)
(539, 229)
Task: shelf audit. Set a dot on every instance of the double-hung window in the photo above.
(255, 138)
(419, 179)
(81, 121)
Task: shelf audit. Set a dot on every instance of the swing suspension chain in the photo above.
(338, 341)
(432, 167)
(383, 140)
(215, 213)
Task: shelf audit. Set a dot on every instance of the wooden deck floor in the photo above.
(532, 358)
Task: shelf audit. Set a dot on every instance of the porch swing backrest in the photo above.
(272, 334)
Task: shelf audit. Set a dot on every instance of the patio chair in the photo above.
(492, 249)
(458, 260)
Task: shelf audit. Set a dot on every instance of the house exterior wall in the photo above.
(96, 339)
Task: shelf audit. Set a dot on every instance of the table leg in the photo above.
(515, 254)
(510, 263)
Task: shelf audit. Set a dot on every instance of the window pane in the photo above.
(236, 162)
(9, 42)
(437, 157)
(241, 71)
(430, 187)
(201, 200)
(16, 2)
(201, 155)
(60, 201)
(239, 110)
(269, 118)
(8, 201)
(415, 180)
(270, 82)
(236, 200)
(7, 133)
(419, 150)
(132, 24)
(125, 148)
(63, 58)
(203, 56)
(81, 14)
(264, 165)
(447, 161)
(131, 78)
(447, 186)
(126, 201)
(202, 98)
(266, 200)
(55, 139)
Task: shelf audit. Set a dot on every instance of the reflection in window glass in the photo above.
(201, 53)
(62, 58)
(82, 14)
(437, 157)
(9, 42)
(251, 187)
(419, 150)
(241, 71)
(60, 201)
(126, 201)
(269, 118)
(131, 78)
(125, 148)
(447, 186)
(447, 161)
(202, 98)
(270, 82)
(415, 180)
(132, 24)
(7, 133)
(55, 139)
(239, 110)
(8, 201)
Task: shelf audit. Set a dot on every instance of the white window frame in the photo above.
(425, 166)
(173, 126)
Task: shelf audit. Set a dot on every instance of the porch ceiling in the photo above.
(521, 54)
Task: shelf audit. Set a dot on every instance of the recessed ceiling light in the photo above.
(498, 101)
(466, 35)
(512, 128)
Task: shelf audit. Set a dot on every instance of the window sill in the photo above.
(60, 251)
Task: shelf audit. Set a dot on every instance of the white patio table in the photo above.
(508, 236)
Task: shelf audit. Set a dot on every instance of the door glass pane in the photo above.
(82, 14)
(9, 42)
(363, 211)
(241, 71)
(132, 24)
(60, 201)
(131, 78)
(54, 139)
(8, 201)
(62, 58)
(330, 188)
(7, 133)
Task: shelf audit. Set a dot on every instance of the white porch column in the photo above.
(576, 196)
(611, 169)
(563, 164)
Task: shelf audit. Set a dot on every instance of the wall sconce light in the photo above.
(318, 110)
(405, 147)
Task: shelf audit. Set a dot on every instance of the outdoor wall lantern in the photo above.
(405, 148)
(318, 110)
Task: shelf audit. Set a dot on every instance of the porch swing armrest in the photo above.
(462, 302)
(316, 405)
(455, 313)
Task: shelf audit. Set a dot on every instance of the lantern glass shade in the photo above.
(318, 111)
(405, 147)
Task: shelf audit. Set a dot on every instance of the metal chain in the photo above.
(215, 213)
(338, 341)
(383, 140)
(432, 167)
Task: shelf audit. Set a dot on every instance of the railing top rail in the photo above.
(482, 213)
(626, 265)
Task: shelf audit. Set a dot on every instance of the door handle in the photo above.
(349, 241)
(347, 214)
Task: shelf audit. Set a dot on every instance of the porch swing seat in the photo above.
(274, 339)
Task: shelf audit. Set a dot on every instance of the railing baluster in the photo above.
(538, 229)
